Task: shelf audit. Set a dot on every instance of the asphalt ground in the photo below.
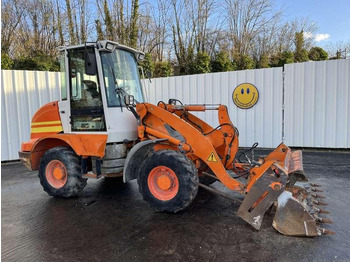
(109, 221)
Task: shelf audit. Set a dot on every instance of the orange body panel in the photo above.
(83, 145)
(46, 121)
(200, 145)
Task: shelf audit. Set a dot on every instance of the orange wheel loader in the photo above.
(103, 127)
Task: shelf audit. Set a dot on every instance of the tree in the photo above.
(317, 54)
(59, 24)
(161, 18)
(133, 23)
(263, 61)
(246, 20)
(83, 33)
(162, 69)
(12, 13)
(282, 58)
(221, 63)
(339, 49)
(100, 34)
(242, 62)
(70, 23)
(147, 64)
(201, 64)
(300, 53)
(234, 34)
(6, 62)
(108, 22)
(301, 56)
(182, 35)
(38, 61)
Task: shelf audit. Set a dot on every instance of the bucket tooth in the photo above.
(314, 185)
(320, 203)
(324, 231)
(316, 190)
(323, 220)
(313, 202)
(318, 210)
(317, 195)
(322, 211)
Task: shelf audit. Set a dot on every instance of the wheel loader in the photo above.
(103, 127)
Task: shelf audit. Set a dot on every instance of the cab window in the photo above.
(85, 94)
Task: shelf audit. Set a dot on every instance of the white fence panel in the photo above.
(316, 96)
(317, 104)
(22, 93)
(262, 123)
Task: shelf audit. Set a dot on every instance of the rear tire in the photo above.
(60, 173)
(168, 181)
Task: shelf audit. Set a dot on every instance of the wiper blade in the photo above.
(120, 92)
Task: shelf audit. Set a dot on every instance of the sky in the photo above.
(331, 16)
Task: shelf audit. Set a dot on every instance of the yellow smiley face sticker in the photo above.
(245, 96)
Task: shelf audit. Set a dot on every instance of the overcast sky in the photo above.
(331, 16)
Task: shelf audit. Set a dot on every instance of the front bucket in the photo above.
(292, 218)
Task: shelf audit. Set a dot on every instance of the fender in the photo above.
(138, 152)
(83, 145)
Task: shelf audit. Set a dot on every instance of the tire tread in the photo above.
(191, 180)
(75, 182)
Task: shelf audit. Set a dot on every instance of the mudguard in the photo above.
(135, 157)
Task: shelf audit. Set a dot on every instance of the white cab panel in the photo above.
(64, 111)
(120, 125)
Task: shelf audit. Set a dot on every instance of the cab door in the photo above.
(86, 107)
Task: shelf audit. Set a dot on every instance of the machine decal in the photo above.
(46, 123)
(212, 158)
(245, 96)
(46, 126)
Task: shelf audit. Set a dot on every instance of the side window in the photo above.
(85, 94)
(63, 76)
(120, 71)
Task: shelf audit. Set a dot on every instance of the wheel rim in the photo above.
(56, 174)
(163, 183)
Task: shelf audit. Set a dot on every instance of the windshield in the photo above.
(120, 71)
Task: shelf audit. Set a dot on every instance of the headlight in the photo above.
(109, 46)
(141, 56)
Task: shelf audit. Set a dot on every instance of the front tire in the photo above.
(168, 181)
(60, 173)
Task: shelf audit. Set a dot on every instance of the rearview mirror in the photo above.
(90, 64)
(129, 100)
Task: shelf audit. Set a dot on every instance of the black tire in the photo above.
(185, 172)
(74, 182)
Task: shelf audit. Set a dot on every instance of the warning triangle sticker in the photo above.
(212, 158)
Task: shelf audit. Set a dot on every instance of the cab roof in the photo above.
(101, 46)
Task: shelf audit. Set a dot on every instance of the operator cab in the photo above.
(95, 77)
